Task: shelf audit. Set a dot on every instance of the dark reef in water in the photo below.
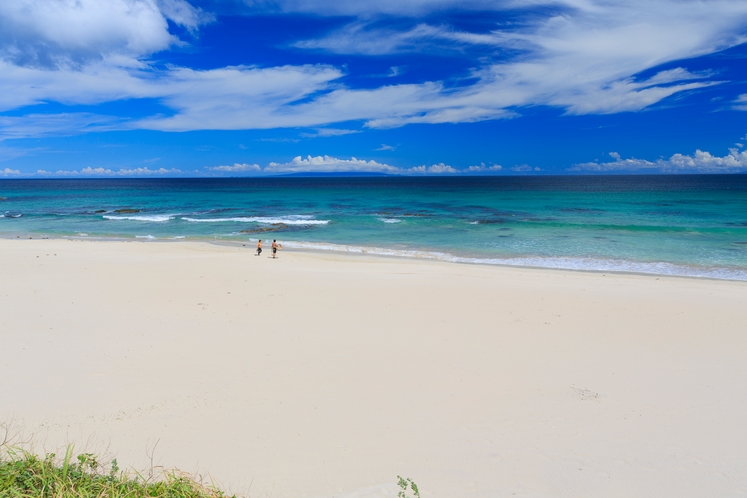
(491, 222)
(276, 227)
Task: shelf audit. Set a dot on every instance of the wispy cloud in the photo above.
(358, 38)
(699, 162)
(43, 125)
(8, 153)
(740, 103)
(368, 8)
(329, 132)
(583, 57)
(386, 147)
(240, 97)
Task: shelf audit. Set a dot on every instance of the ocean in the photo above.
(689, 225)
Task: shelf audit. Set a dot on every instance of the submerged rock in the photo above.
(274, 228)
(100, 211)
(126, 211)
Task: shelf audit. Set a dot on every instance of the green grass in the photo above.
(25, 475)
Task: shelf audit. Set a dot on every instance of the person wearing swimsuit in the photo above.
(274, 249)
(259, 247)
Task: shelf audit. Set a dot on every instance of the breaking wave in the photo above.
(157, 218)
(285, 220)
(559, 263)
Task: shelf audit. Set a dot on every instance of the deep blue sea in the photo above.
(693, 225)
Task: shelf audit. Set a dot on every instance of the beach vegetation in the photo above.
(26, 475)
(404, 484)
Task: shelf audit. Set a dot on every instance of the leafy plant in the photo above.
(407, 483)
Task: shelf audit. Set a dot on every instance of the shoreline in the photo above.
(405, 254)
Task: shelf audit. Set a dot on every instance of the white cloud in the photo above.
(299, 164)
(10, 172)
(484, 169)
(435, 169)
(700, 162)
(525, 168)
(584, 57)
(236, 168)
(64, 33)
(184, 14)
(91, 84)
(89, 171)
(328, 164)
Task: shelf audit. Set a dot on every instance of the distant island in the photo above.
(333, 174)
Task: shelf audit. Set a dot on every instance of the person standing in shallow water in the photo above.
(275, 247)
(259, 247)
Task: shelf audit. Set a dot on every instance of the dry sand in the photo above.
(321, 375)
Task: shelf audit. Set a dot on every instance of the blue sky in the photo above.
(413, 87)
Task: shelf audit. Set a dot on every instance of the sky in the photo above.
(144, 88)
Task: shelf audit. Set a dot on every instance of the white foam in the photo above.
(286, 220)
(380, 251)
(149, 237)
(157, 218)
(178, 237)
(390, 220)
(560, 263)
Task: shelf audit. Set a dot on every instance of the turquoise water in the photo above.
(682, 225)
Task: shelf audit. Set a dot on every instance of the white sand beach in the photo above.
(327, 375)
